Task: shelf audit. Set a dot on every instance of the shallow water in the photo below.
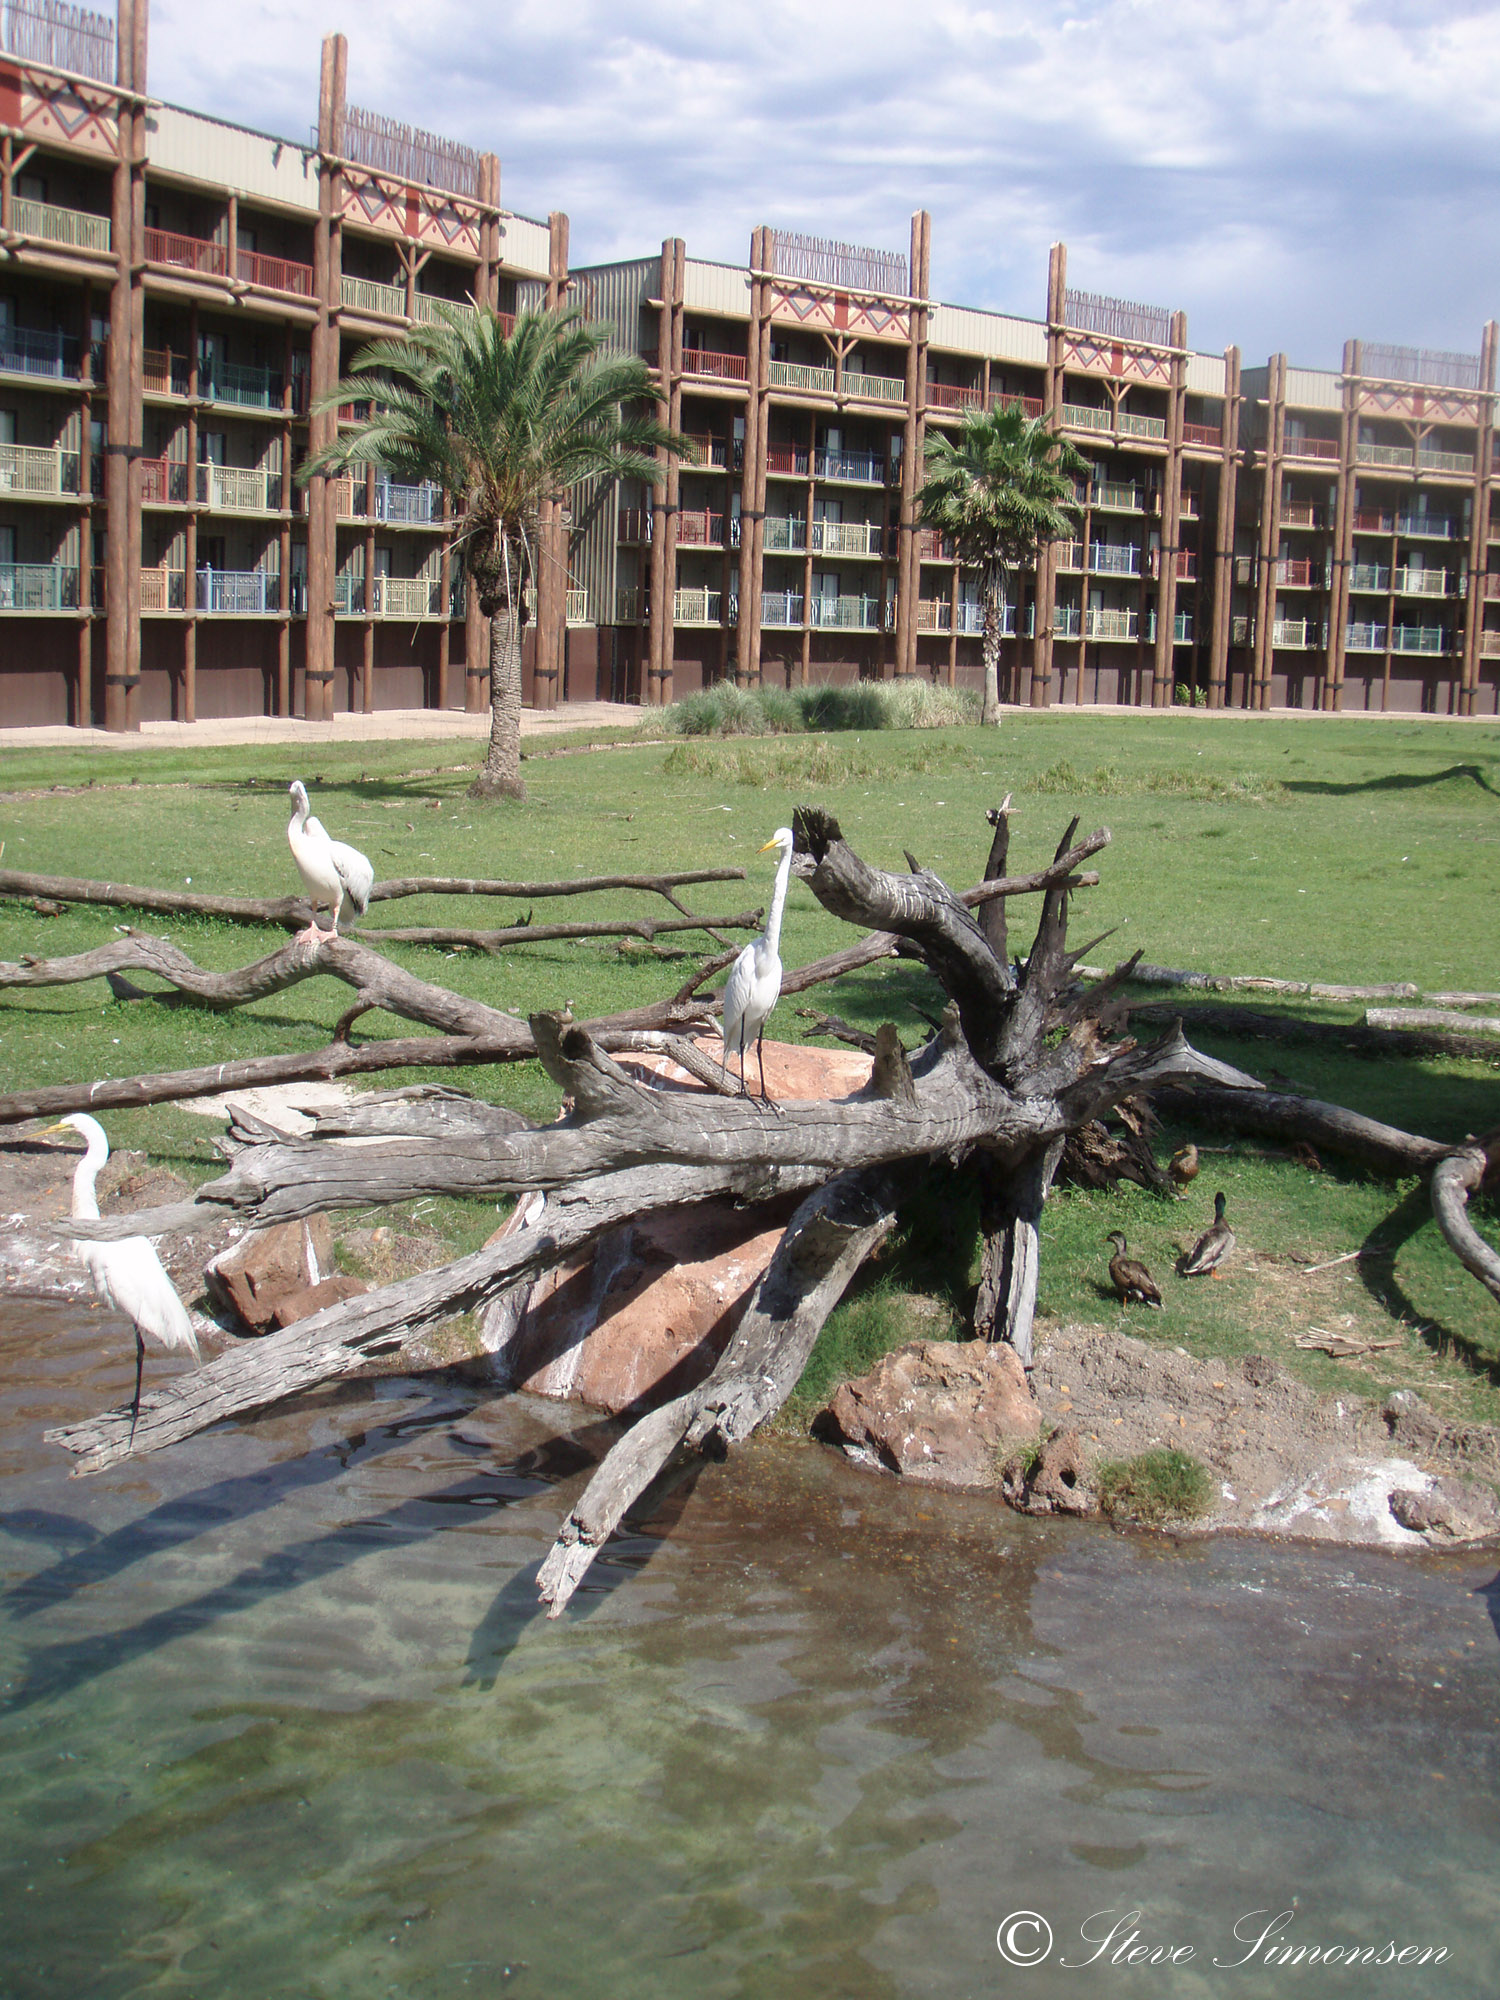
(278, 1716)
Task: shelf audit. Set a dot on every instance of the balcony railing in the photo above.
(1005, 399)
(949, 396)
(796, 375)
(1107, 561)
(1364, 638)
(234, 489)
(369, 296)
(163, 589)
(1430, 460)
(389, 597)
(1117, 499)
(1298, 573)
(1208, 436)
(187, 253)
(429, 308)
(874, 388)
(628, 605)
(697, 607)
(1303, 514)
(938, 614)
(1369, 576)
(165, 482)
(1182, 628)
(403, 506)
(1084, 417)
(1067, 621)
(1384, 454)
(701, 530)
(1189, 504)
(40, 469)
(634, 524)
(1070, 555)
(164, 373)
(789, 459)
(238, 590)
(1311, 447)
(1297, 634)
(28, 350)
(234, 382)
(1431, 526)
(1242, 631)
(274, 274)
(1418, 639)
(706, 450)
(72, 227)
(1130, 425)
(1424, 583)
(861, 614)
(578, 607)
(847, 538)
(1111, 625)
(716, 367)
(1492, 586)
(788, 532)
(931, 546)
(781, 607)
(38, 587)
(865, 467)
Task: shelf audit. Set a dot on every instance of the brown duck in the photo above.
(1183, 1165)
(1213, 1247)
(1129, 1277)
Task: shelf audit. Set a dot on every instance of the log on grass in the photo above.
(1353, 1037)
(1432, 1017)
(1269, 1114)
(1453, 1181)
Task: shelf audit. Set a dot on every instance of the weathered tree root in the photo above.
(1453, 1181)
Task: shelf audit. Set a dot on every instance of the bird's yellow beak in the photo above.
(768, 846)
(52, 1131)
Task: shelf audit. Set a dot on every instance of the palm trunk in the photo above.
(501, 775)
(990, 713)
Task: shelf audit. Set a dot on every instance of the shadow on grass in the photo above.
(1378, 1276)
(1394, 781)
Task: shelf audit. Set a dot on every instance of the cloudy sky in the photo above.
(1290, 172)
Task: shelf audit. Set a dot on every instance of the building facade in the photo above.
(179, 293)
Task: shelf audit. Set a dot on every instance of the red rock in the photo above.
(252, 1277)
(644, 1315)
(937, 1411)
(293, 1306)
(1058, 1480)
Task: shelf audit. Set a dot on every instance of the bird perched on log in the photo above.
(1183, 1165)
(1213, 1247)
(330, 869)
(126, 1274)
(755, 980)
(1129, 1277)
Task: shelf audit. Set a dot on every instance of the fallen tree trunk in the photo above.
(826, 1241)
(1249, 1023)
(648, 928)
(1453, 1181)
(1217, 982)
(1384, 1149)
(1432, 1017)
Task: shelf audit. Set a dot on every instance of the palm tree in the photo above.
(502, 422)
(999, 493)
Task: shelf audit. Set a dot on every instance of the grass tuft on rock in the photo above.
(1155, 1487)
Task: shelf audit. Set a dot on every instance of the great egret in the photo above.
(127, 1274)
(755, 982)
(329, 868)
(1130, 1278)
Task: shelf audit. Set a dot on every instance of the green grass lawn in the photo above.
(1339, 849)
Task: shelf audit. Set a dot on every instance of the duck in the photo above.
(1213, 1247)
(1183, 1165)
(329, 869)
(1129, 1277)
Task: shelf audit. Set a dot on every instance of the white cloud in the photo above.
(1288, 173)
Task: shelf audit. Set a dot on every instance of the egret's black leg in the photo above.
(135, 1405)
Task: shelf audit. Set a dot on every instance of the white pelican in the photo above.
(127, 1274)
(755, 982)
(329, 868)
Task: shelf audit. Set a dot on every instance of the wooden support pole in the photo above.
(753, 451)
(663, 496)
(1042, 643)
(762, 460)
(1270, 531)
(1224, 529)
(1340, 533)
(1164, 663)
(322, 521)
(1479, 526)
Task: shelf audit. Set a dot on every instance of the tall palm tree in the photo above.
(502, 422)
(1000, 493)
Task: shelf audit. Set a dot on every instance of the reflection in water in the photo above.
(279, 1714)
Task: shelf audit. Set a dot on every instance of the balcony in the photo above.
(787, 532)
(1398, 456)
(786, 460)
(1111, 625)
(1107, 561)
(629, 606)
(1419, 639)
(164, 373)
(1242, 631)
(1182, 628)
(781, 607)
(1297, 573)
(847, 538)
(714, 367)
(250, 388)
(874, 388)
(937, 614)
(1130, 425)
(1189, 505)
(367, 295)
(1304, 514)
(1111, 497)
(29, 350)
(1364, 638)
(697, 607)
(71, 227)
(1311, 447)
(1070, 555)
(931, 546)
(430, 307)
(198, 254)
(1084, 417)
(233, 489)
(1004, 399)
(390, 597)
(165, 483)
(795, 375)
(1209, 437)
(1067, 621)
(163, 589)
(634, 524)
(1424, 583)
(848, 614)
(238, 591)
(578, 606)
(1297, 634)
(40, 470)
(948, 396)
(864, 468)
(38, 587)
(274, 274)
(401, 506)
(1492, 586)
(1429, 526)
(1429, 460)
(701, 530)
(705, 451)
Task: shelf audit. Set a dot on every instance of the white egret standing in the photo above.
(755, 982)
(329, 868)
(127, 1274)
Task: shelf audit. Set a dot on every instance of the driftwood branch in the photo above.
(648, 928)
(294, 912)
(1453, 1181)
(827, 1240)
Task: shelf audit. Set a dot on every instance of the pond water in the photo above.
(278, 1715)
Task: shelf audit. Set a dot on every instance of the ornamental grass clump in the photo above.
(1155, 1487)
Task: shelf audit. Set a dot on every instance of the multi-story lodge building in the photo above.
(179, 293)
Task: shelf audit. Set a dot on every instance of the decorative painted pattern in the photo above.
(1447, 406)
(51, 108)
(839, 312)
(393, 206)
(1116, 358)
